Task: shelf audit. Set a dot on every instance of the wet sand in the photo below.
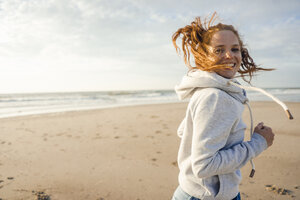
(129, 153)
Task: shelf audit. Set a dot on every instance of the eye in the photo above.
(218, 50)
(235, 49)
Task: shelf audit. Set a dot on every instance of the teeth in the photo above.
(230, 65)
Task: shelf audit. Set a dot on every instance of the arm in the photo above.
(180, 128)
(213, 120)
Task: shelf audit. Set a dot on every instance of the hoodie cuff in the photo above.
(260, 143)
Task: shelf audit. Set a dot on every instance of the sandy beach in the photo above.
(130, 153)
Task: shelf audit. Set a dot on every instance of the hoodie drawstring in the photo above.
(267, 94)
(250, 111)
(251, 133)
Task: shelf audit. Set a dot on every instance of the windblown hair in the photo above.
(196, 40)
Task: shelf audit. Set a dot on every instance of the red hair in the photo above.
(196, 40)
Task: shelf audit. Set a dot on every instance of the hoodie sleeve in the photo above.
(213, 116)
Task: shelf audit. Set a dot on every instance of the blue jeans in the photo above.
(179, 194)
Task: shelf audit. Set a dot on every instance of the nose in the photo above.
(228, 54)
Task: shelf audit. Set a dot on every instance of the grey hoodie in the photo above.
(212, 149)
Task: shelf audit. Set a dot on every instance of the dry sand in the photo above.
(129, 153)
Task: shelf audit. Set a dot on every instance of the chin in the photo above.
(228, 75)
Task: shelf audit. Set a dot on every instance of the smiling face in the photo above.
(226, 50)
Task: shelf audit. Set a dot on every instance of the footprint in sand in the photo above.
(4, 142)
(60, 134)
(278, 190)
(28, 130)
(41, 195)
(158, 132)
(154, 116)
(165, 126)
(1, 186)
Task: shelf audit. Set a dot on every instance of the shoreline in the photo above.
(86, 109)
(94, 154)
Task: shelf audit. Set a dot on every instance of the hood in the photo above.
(198, 79)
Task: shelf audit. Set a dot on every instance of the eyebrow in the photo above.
(224, 45)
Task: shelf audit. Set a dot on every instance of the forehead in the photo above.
(224, 37)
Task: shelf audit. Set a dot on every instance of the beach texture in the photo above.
(130, 153)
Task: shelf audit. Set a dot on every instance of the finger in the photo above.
(268, 128)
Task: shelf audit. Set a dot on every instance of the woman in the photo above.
(212, 149)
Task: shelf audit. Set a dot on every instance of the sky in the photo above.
(101, 45)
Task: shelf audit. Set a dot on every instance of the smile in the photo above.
(232, 65)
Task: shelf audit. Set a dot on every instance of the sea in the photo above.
(12, 105)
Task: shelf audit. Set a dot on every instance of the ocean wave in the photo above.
(23, 104)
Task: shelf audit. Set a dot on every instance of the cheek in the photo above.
(239, 58)
(217, 59)
(212, 57)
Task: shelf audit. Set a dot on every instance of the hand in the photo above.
(266, 132)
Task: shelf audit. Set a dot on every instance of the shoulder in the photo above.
(212, 100)
(211, 95)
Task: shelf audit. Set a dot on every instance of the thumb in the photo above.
(260, 125)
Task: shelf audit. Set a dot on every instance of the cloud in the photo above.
(82, 28)
(134, 37)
